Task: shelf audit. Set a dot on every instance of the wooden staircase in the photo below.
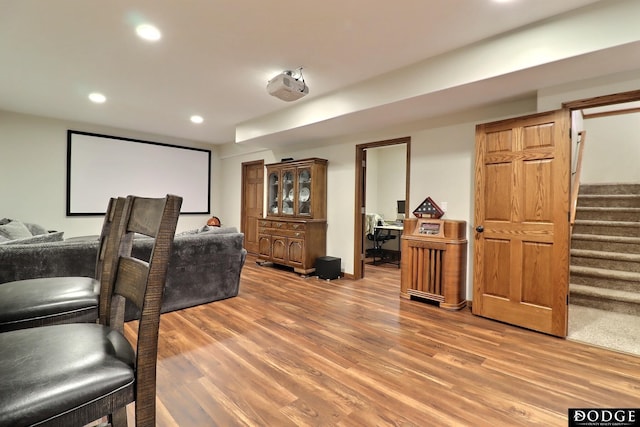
(605, 248)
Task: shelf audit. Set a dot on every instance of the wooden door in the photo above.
(521, 255)
(252, 202)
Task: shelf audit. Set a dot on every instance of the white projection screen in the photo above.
(101, 166)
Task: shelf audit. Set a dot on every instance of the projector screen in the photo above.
(101, 166)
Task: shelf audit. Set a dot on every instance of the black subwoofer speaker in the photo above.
(328, 267)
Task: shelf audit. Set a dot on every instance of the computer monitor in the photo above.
(401, 209)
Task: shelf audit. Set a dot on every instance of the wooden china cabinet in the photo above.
(294, 230)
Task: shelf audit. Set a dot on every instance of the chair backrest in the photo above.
(104, 235)
(142, 282)
(108, 252)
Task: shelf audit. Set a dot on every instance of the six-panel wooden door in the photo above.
(521, 245)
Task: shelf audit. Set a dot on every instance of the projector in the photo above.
(286, 87)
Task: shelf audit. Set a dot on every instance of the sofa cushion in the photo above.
(40, 238)
(14, 230)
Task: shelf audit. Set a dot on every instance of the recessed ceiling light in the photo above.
(197, 119)
(98, 98)
(148, 32)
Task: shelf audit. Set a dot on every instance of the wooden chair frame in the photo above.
(141, 282)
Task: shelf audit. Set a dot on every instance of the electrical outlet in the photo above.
(443, 206)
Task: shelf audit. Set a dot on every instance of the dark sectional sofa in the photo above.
(205, 264)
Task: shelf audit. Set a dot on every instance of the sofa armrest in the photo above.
(50, 259)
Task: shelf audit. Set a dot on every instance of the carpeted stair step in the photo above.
(608, 213)
(602, 278)
(609, 200)
(606, 243)
(605, 248)
(605, 299)
(607, 228)
(606, 260)
(610, 188)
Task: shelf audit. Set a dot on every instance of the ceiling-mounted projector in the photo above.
(286, 87)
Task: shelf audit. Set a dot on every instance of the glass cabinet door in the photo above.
(304, 191)
(287, 192)
(272, 196)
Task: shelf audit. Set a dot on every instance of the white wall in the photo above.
(33, 150)
(441, 167)
(442, 161)
(371, 182)
(386, 179)
(33, 167)
(611, 150)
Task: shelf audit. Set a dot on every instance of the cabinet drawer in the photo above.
(264, 223)
(297, 226)
(279, 225)
(288, 233)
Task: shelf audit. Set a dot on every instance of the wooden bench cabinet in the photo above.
(292, 242)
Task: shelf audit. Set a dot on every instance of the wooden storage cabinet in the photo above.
(293, 233)
(434, 261)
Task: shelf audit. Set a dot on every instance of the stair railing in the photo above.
(575, 183)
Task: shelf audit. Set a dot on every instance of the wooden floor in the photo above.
(291, 351)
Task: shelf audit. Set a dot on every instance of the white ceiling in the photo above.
(215, 56)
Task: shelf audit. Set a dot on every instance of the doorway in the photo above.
(599, 311)
(361, 192)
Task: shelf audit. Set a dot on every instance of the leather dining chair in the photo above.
(75, 374)
(56, 300)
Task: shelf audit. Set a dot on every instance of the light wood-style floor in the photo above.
(291, 351)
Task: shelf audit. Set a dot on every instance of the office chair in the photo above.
(378, 237)
(74, 374)
(56, 300)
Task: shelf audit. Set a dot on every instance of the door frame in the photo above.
(600, 101)
(360, 196)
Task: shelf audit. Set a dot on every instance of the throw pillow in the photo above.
(36, 229)
(40, 238)
(14, 230)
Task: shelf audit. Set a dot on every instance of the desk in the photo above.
(390, 229)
